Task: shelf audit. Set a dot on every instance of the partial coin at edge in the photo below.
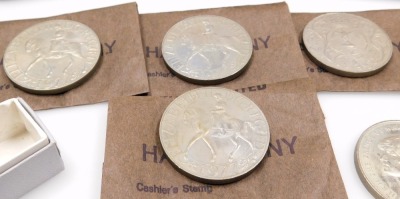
(377, 159)
(347, 45)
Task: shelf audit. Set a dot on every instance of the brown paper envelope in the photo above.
(300, 162)
(122, 70)
(386, 80)
(276, 55)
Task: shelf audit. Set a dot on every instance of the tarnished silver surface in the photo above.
(214, 135)
(207, 49)
(52, 57)
(347, 45)
(377, 159)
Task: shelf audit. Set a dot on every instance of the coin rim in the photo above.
(214, 180)
(337, 71)
(64, 88)
(222, 79)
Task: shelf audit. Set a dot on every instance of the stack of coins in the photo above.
(52, 57)
(347, 45)
(214, 135)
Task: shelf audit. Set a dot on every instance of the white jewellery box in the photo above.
(28, 153)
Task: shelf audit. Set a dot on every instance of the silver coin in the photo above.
(377, 159)
(207, 49)
(52, 57)
(347, 45)
(214, 135)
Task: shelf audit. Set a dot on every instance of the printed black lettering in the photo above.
(163, 157)
(242, 90)
(110, 47)
(164, 190)
(318, 69)
(185, 188)
(255, 45)
(261, 87)
(291, 144)
(265, 42)
(252, 88)
(5, 86)
(145, 153)
(396, 45)
(148, 51)
(160, 74)
(201, 188)
(278, 150)
(139, 186)
(174, 189)
(310, 69)
(155, 189)
(148, 189)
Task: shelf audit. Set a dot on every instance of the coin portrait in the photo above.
(378, 159)
(214, 135)
(52, 57)
(207, 49)
(347, 45)
(389, 157)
